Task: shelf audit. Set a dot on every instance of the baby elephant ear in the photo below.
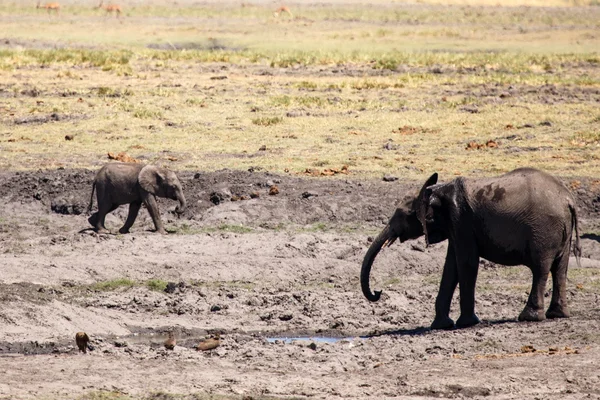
(423, 201)
(150, 179)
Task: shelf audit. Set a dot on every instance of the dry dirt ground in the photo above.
(276, 266)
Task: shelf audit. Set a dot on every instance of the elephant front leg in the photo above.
(152, 206)
(468, 268)
(134, 208)
(534, 309)
(444, 298)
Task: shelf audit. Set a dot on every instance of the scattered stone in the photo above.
(389, 178)
(528, 349)
(286, 317)
(123, 157)
(273, 190)
(545, 123)
(255, 169)
(254, 195)
(120, 343)
(262, 148)
(171, 287)
(307, 195)
(266, 317)
(209, 344)
(69, 137)
(470, 109)
(170, 342)
(312, 346)
(218, 78)
(66, 206)
(82, 339)
(220, 196)
(390, 146)
(473, 145)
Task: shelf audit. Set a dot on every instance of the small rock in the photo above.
(545, 123)
(273, 190)
(312, 346)
(197, 175)
(121, 344)
(389, 178)
(307, 195)
(220, 195)
(286, 317)
(171, 287)
(254, 195)
(470, 109)
(215, 308)
(69, 137)
(262, 148)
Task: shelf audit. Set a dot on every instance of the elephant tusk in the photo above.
(389, 242)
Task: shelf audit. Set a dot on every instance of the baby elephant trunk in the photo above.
(386, 236)
(182, 203)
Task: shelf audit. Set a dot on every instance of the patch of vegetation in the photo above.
(267, 121)
(114, 284)
(104, 395)
(156, 284)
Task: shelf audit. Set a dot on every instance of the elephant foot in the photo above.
(531, 314)
(557, 312)
(161, 231)
(93, 219)
(124, 230)
(102, 231)
(465, 322)
(442, 323)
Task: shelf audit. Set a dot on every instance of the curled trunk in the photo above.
(365, 272)
(182, 203)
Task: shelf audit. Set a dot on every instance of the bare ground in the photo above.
(275, 266)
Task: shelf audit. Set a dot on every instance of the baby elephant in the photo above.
(122, 183)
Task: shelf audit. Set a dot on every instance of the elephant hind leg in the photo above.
(558, 305)
(534, 309)
(101, 216)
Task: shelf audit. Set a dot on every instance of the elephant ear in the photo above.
(150, 179)
(422, 203)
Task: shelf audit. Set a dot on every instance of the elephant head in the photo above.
(162, 182)
(410, 220)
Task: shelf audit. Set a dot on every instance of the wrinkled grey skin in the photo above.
(123, 183)
(523, 217)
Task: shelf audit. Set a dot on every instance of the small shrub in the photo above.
(267, 121)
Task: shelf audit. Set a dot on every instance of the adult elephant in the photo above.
(133, 183)
(523, 217)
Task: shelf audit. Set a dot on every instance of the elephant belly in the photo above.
(505, 242)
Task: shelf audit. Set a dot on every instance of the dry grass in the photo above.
(331, 89)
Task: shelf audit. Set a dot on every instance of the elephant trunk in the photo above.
(384, 237)
(182, 203)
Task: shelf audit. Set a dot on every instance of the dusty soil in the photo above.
(275, 266)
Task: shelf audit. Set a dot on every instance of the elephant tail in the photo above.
(574, 223)
(92, 197)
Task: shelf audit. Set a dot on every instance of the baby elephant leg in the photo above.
(134, 208)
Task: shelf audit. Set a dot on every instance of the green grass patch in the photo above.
(114, 284)
(156, 284)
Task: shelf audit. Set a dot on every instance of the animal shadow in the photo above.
(591, 236)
